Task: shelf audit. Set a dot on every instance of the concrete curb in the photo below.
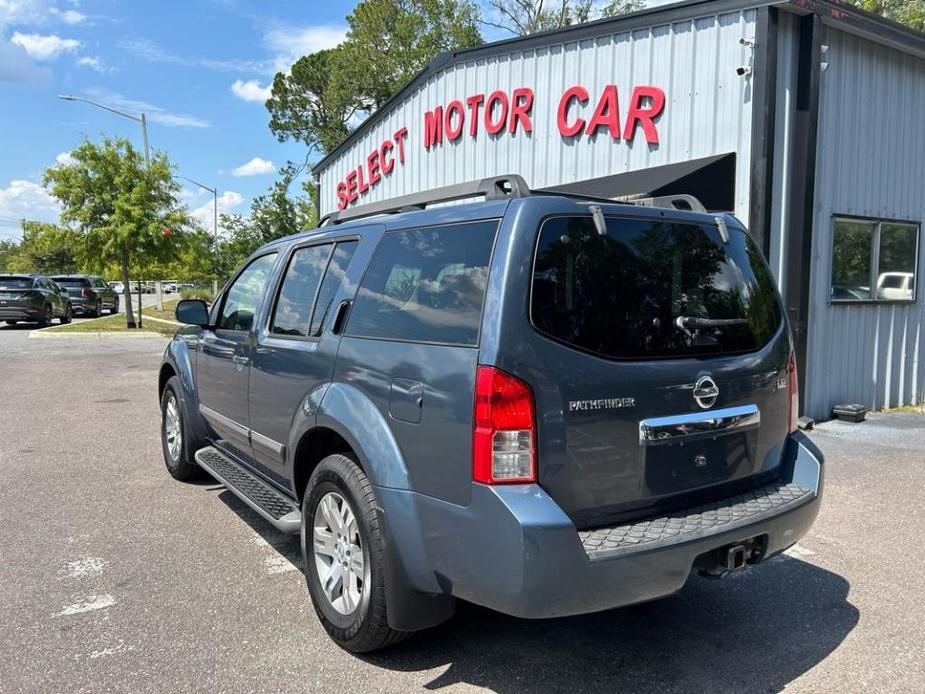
(161, 320)
(144, 334)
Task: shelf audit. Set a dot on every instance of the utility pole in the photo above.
(144, 134)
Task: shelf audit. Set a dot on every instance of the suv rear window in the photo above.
(426, 285)
(71, 282)
(15, 283)
(620, 295)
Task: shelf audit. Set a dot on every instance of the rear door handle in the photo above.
(340, 317)
(240, 361)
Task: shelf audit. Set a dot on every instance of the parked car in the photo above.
(896, 286)
(32, 298)
(89, 294)
(117, 287)
(541, 404)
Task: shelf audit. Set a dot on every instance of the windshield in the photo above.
(15, 283)
(652, 288)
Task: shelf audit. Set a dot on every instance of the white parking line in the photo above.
(89, 604)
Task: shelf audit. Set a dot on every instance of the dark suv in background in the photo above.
(89, 294)
(32, 298)
(542, 404)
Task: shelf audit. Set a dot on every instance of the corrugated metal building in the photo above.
(803, 118)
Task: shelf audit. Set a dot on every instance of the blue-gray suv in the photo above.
(544, 404)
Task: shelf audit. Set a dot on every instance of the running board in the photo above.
(273, 505)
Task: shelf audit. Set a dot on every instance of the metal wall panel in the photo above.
(708, 110)
(870, 162)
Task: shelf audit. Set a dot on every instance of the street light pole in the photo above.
(144, 134)
(138, 119)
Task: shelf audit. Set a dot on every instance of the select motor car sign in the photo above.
(578, 114)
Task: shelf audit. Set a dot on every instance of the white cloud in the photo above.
(155, 114)
(94, 63)
(227, 202)
(255, 167)
(44, 47)
(25, 200)
(250, 90)
(65, 159)
(16, 66)
(288, 43)
(69, 16)
(153, 53)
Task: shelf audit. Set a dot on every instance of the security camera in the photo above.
(743, 71)
(747, 41)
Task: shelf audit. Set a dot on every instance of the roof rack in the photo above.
(496, 188)
(681, 201)
(493, 188)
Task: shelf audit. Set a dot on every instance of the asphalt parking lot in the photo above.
(115, 578)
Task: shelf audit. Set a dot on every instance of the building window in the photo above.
(873, 260)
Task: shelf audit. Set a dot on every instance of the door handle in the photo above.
(340, 317)
(240, 361)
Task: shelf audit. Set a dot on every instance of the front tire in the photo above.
(115, 308)
(343, 554)
(175, 440)
(66, 318)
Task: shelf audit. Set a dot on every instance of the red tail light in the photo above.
(504, 433)
(85, 292)
(794, 392)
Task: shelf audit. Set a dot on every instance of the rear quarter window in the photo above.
(426, 285)
(620, 295)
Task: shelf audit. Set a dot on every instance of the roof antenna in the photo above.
(723, 229)
(599, 222)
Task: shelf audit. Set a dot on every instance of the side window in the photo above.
(337, 268)
(426, 285)
(244, 295)
(297, 295)
(873, 260)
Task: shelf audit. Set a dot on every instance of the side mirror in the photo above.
(193, 312)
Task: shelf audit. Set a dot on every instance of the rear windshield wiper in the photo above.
(687, 323)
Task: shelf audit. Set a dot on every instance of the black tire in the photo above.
(66, 318)
(366, 628)
(97, 310)
(47, 316)
(115, 308)
(182, 465)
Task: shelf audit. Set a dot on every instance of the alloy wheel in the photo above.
(172, 429)
(338, 553)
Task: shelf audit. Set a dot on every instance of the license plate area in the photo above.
(697, 449)
(681, 466)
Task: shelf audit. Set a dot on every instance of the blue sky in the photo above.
(198, 68)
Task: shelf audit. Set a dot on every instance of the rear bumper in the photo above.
(514, 550)
(21, 313)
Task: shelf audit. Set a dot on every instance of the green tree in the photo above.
(9, 249)
(47, 249)
(908, 12)
(131, 216)
(525, 17)
(387, 43)
(273, 215)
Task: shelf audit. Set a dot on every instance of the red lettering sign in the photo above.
(512, 112)
(644, 115)
(576, 93)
